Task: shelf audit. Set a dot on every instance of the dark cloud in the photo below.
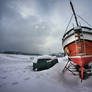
(35, 26)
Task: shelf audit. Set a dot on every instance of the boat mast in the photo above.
(74, 13)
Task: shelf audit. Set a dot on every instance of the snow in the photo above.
(16, 75)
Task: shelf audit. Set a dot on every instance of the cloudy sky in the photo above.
(37, 26)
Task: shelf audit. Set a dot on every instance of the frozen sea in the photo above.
(16, 75)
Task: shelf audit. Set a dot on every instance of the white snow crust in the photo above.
(16, 75)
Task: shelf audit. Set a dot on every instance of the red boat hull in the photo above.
(80, 59)
(77, 44)
(78, 56)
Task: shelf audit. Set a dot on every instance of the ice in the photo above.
(16, 75)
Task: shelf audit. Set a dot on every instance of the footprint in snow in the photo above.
(3, 77)
(27, 78)
(0, 86)
(5, 71)
(15, 83)
(24, 71)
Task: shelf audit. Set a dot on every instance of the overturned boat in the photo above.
(77, 44)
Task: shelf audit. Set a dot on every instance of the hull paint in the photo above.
(72, 51)
(72, 38)
(81, 60)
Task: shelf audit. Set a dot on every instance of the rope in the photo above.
(84, 20)
(69, 23)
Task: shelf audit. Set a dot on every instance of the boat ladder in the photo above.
(80, 43)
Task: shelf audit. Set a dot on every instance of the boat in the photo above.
(77, 44)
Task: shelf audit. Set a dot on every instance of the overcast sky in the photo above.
(37, 26)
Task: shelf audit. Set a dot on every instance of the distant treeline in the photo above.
(58, 54)
(20, 53)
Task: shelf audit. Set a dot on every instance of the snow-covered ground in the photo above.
(16, 75)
